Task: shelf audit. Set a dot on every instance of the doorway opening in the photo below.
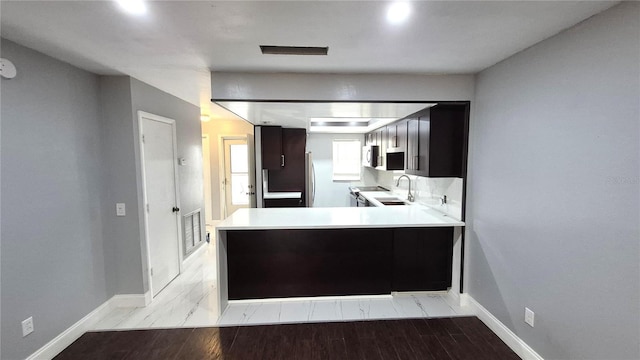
(235, 182)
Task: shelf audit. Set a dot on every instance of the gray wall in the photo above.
(122, 98)
(189, 137)
(69, 152)
(122, 234)
(329, 193)
(52, 251)
(553, 201)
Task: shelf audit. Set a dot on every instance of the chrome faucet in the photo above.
(409, 194)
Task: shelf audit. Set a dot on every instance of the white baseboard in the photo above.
(67, 337)
(87, 323)
(509, 337)
(191, 257)
(131, 300)
(453, 298)
(464, 299)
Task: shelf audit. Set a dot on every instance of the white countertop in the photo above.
(335, 218)
(282, 195)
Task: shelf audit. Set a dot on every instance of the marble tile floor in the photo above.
(191, 301)
(400, 306)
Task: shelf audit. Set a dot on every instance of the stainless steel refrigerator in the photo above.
(310, 180)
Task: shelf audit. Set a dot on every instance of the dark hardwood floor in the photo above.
(443, 338)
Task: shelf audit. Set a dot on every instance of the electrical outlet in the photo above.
(27, 326)
(529, 316)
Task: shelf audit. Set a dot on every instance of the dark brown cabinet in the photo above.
(381, 141)
(317, 262)
(278, 203)
(271, 147)
(417, 126)
(397, 136)
(436, 141)
(396, 145)
(322, 262)
(422, 259)
(290, 174)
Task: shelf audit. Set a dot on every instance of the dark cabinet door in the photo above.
(271, 140)
(279, 203)
(322, 262)
(436, 142)
(448, 143)
(370, 139)
(413, 142)
(418, 132)
(422, 259)
(392, 136)
(424, 138)
(397, 136)
(381, 141)
(401, 133)
(291, 176)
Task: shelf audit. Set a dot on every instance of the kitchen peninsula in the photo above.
(301, 252)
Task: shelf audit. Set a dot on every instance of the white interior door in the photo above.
(206, 178)
(162, 212)
(236, 175)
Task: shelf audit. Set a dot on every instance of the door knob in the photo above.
(176, 209)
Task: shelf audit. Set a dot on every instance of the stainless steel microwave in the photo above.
(370, 155)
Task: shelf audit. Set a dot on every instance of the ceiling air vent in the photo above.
(294, 50)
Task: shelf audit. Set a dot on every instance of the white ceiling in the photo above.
(177, 43)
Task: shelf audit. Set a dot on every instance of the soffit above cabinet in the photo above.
(324, 117)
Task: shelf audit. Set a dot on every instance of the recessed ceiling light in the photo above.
(134, 7)
(398, 12)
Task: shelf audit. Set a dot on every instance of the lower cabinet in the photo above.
(274, 203)
(422, 259)
(323, 262)
(309, 262)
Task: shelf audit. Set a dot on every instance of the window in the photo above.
(346, 160)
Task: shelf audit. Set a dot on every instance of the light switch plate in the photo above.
(529, 316)
(121, 209)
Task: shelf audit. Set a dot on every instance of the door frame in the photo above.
(208, 218)
(146, 272)
(221, 170)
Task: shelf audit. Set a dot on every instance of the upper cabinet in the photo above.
(271, 147)
(381, 141)
(397, 136)
(429, 143)
(291, 172)
(436, 142)
(396, 145)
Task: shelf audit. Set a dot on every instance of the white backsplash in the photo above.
(427, 191)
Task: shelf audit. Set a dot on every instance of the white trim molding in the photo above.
(67, 337)
(131, 300)
(504, 333)
(87, 323)
(146, 258)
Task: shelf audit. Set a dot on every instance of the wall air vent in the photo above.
(294, 50)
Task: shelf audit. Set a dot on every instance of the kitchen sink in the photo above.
(391, 201)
